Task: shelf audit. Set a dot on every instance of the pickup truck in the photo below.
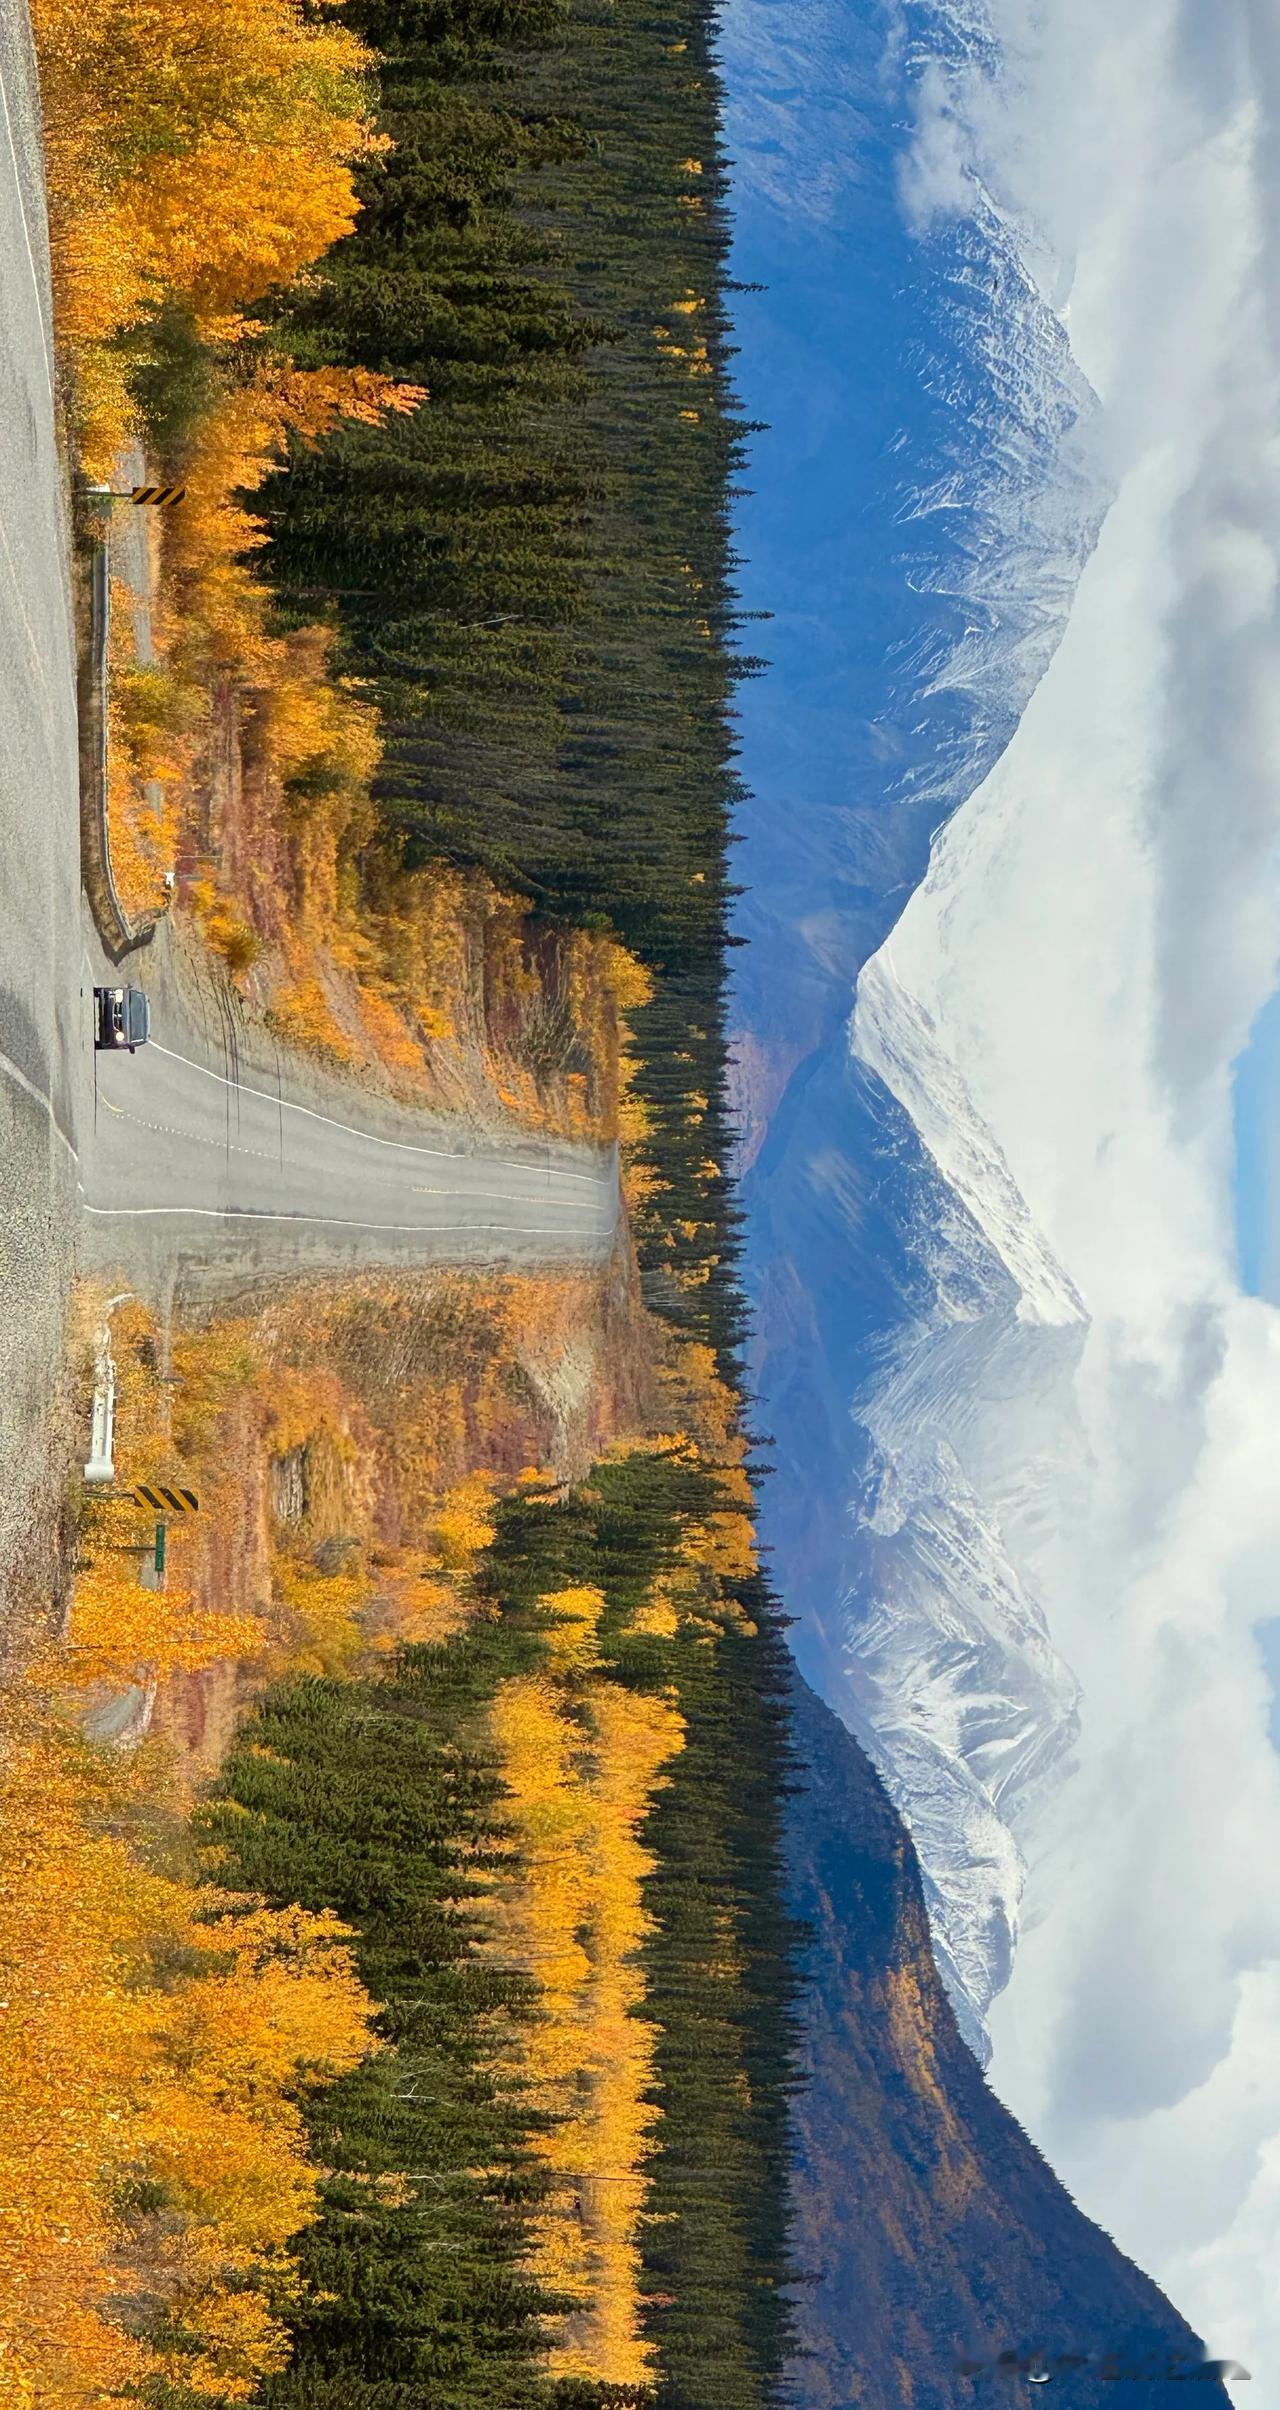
(121, 1017)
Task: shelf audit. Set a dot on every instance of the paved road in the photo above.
(204, 1159)
(39, 825)
(210, 1158)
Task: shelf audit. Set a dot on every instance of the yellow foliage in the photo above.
(152, 717)
(387, 1029)
(726, 1543)
(631, 982)
(705, 1408)
(204, 156)
(213, 1363)
(581, 1757)
(462, 1527)
(659, 1614)
(413, 1603)
(120, 2071)
(202, 152)
(641, 1182)
(223, 609)
(325, 1611)
(303, 1016)
(632, 988)
(311, 728)
(572, 1640)
(121, 1633)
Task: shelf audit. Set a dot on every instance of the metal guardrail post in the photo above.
(118, 933)
(100, 623)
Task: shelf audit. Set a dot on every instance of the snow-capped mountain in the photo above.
(922, 508)
(916, 1340)
(943, 1340)
(1071, 847)
(971, 1436)
(894, 1035)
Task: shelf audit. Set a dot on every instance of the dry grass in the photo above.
(436, 985)
(238, 762)
(343, 1444)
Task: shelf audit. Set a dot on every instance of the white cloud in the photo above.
(1100, 927)
(937, 172)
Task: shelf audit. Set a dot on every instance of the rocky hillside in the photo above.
(928, 2226)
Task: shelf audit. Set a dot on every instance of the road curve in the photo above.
(211, 1158)
(207, 1160)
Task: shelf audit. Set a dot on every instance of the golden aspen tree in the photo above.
(120, 1632)
(156, 2040)
(581, 1756)
(205, 152)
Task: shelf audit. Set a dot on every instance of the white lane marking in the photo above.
(264, 1154)
(29, 1088)
(402, 1146)
(324, 1221)
(26, 233)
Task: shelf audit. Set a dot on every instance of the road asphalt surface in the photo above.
(210, 1159)
(206, 1160)
(40, 940)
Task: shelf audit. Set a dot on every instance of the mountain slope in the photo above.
(917, 1347)
(929, 2226)
(926, 505)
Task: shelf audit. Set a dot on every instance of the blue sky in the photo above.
(1257, 1125)
(1101, 978)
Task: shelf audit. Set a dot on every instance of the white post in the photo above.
(101, 1464)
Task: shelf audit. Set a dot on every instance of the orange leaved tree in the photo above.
(201, 151)
(122, 1633)
(152, 2153)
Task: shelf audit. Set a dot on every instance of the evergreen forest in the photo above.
(532, 575)
(384, 1800)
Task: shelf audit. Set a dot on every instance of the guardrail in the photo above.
(119, 934)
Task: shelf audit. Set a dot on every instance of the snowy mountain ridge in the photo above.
(941, 489)
(968, 1432)
(895, 1036)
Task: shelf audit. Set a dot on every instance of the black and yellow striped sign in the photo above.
(160, 495)
(179, 1502)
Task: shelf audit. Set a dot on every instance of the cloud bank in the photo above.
(1098, 931)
